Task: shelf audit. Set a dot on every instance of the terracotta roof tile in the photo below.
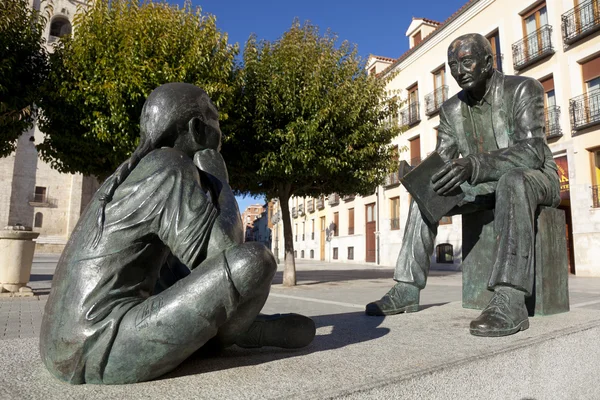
(388, 59)
(426, 38)
(430, 21)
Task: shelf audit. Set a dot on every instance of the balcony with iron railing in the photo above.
(596, 196)
(333, 200)
(435, 99)
(533, 48)
(320, 203)
(294, 212)
(310, 206)
(394, 224)
(392, 179)
(553, 122)
(41, 200)
(301, 209)
(349, 197)
(409, 115)
(584, 110)
(580, 21)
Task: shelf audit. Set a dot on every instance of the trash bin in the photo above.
(16, 256)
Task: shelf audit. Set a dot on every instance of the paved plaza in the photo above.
(323, 288)
(424, 355)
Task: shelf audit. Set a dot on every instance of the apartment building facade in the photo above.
(31, 192)
(554, 41)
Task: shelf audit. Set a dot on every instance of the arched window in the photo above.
(38, 220)
(312, 254)
(59, 27)
(444, 253)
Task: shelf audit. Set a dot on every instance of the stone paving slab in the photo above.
(429, 354)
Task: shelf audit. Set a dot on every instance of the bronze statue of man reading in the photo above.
(156, 267)
(496, 123)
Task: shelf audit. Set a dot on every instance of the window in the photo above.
(296, 234)
(446, 221)
(591, 78)
(552, 112)
(532, 23)
(303, 231)
(395, 213)
(373, 70)
(38, 220)
(59, 27)
(302, 254)
(312, 234)
(336, 223)
(351, 221)
(312, 254)
(494, 39)
(444, 254)
(350, 253)
(413, 103)
(415, 151)
(295, 253)
(439, 81)
(40, 194)
(335, 253)
(595, 154)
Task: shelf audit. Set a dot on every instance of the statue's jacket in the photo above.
(518, 123)
(160, 208)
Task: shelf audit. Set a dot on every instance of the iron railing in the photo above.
(435, 99)
(294, 212)
(334, 199)
(320, 203)
(300, 209)
(580, 21)
(533, 48)
(584, 110)
(310, 206)
(349, 197)
(596, 196)
(392, 179)
(553, 122)
(394, 224)
(409, 115)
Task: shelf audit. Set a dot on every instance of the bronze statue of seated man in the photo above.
(496, 123)
(156, 267)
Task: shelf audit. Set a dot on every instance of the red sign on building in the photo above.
(563, 176)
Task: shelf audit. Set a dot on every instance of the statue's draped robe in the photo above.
(160, 208)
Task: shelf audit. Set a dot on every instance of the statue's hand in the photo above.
(453, 174)
(211, 161)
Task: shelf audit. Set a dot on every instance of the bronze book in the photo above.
(419, 185)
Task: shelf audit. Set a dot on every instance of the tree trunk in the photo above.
(289, 270)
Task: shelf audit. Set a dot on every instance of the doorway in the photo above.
(370, 233)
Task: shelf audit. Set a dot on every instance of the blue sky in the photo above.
(376, 27)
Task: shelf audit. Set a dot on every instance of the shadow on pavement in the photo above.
(344, 329)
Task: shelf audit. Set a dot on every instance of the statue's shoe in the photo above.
(506, 314)
(289, 331)
(402, 297)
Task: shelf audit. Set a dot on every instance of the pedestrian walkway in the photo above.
(322, 288)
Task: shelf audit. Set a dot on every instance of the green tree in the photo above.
(120, 51)
(307, 120)
(23, 68)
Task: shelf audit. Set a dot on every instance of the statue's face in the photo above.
(468, 64)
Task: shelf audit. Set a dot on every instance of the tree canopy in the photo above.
(307, 120)
(23, 69)
(100, 77)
